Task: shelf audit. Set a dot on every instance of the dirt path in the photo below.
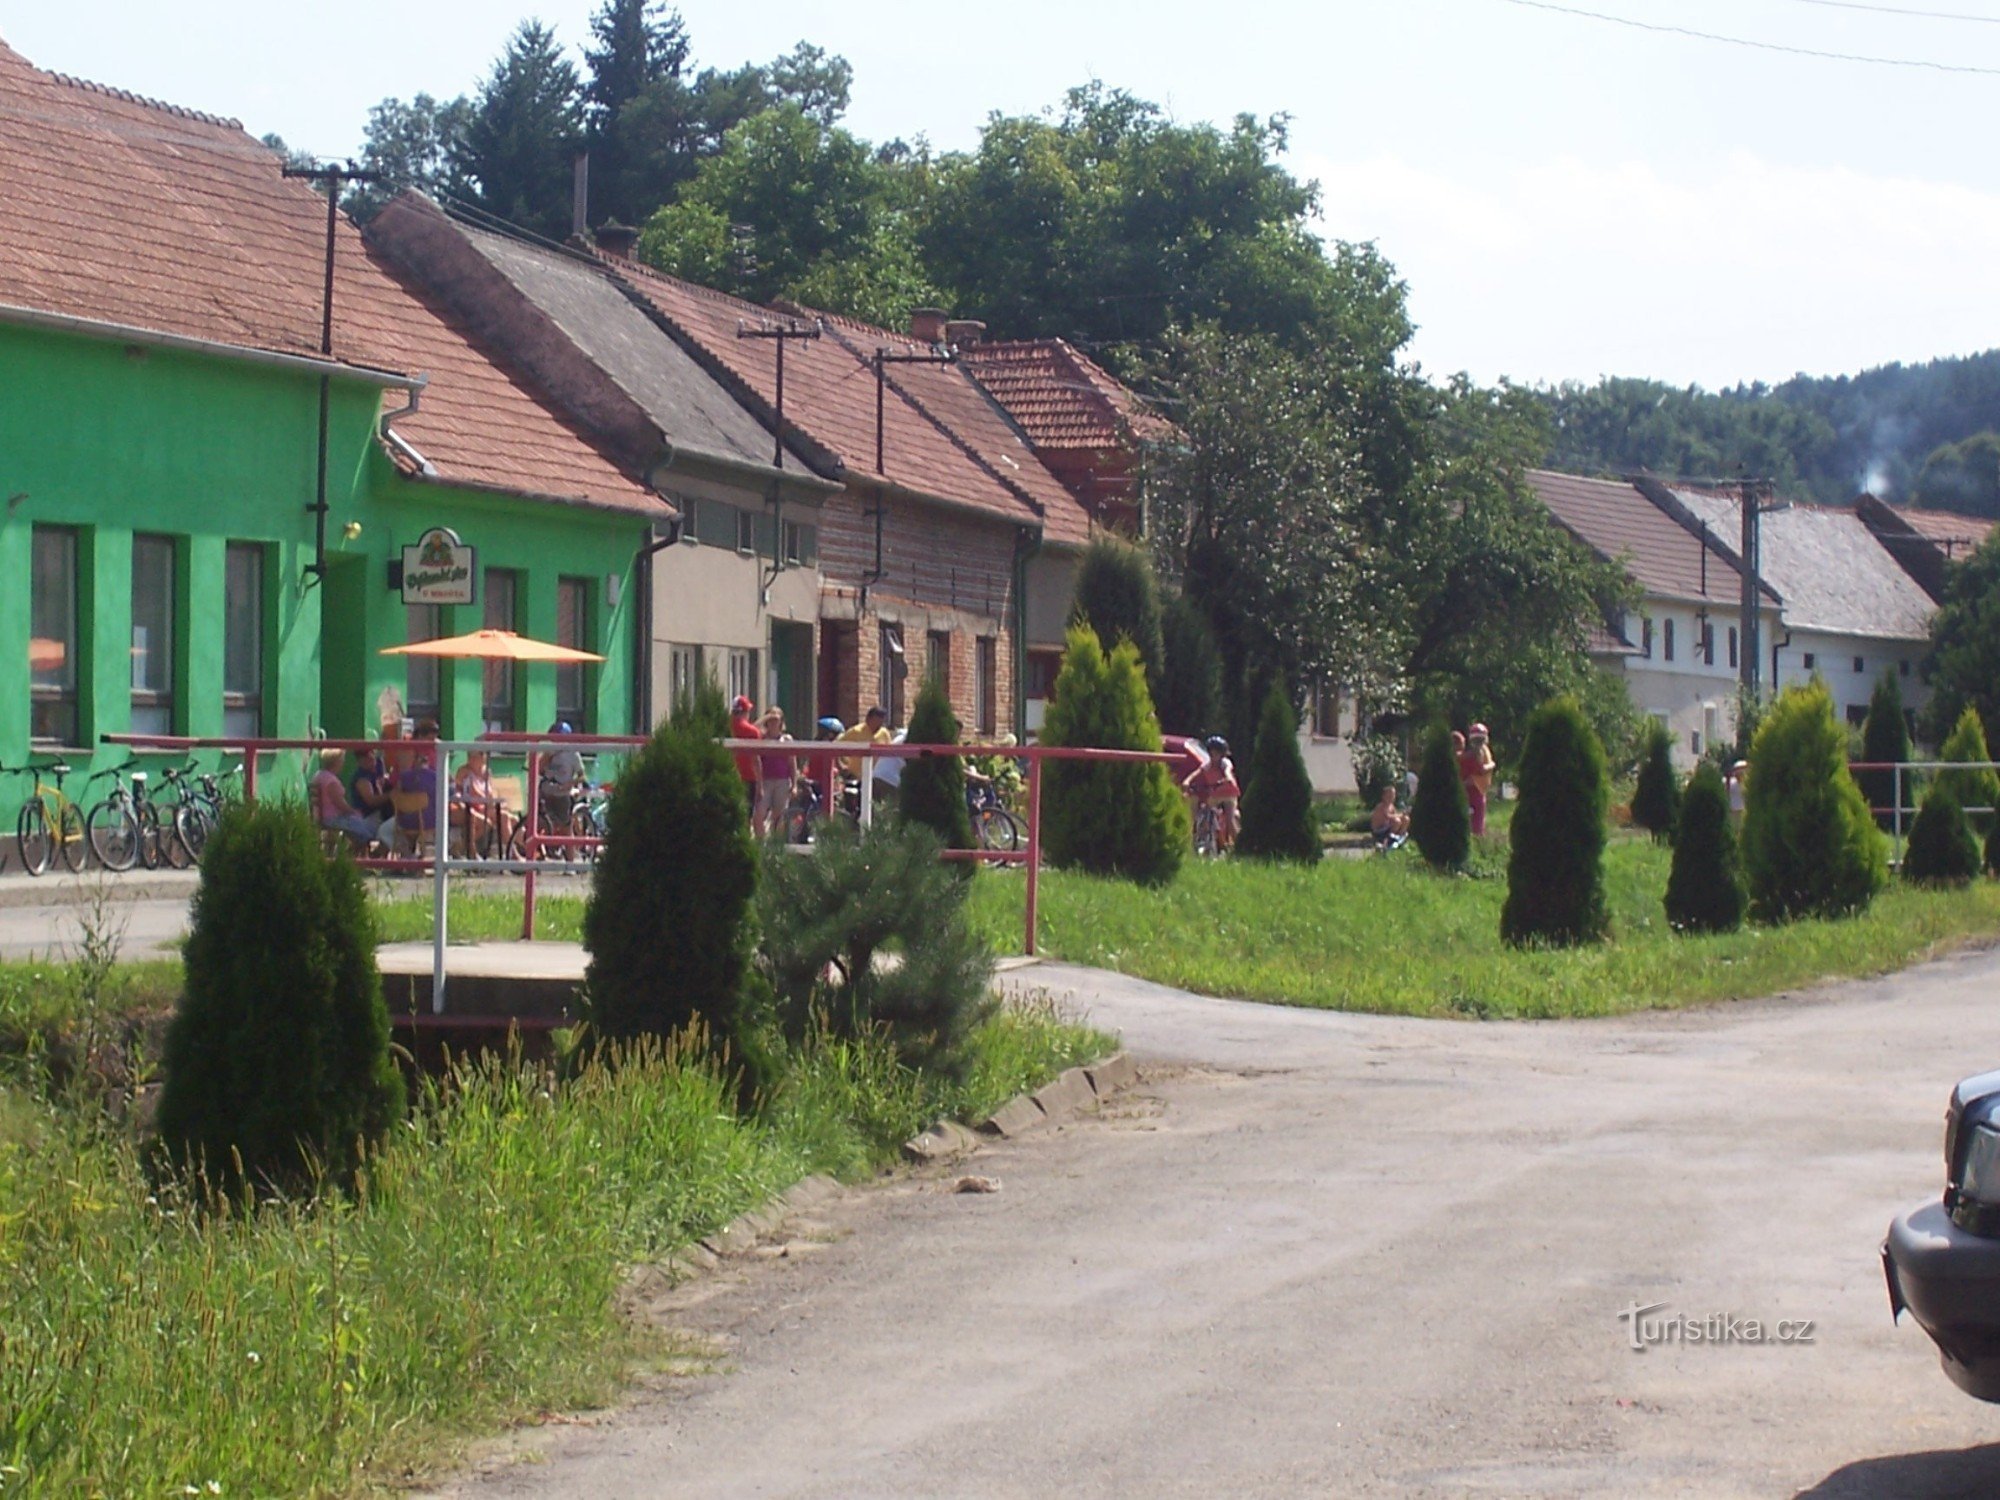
(1343, 1255)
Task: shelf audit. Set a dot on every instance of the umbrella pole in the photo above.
(440, 858)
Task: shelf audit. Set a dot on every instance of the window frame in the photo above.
(503, 587)
(149, 702)
(937, 663)
(422, 622)
(240, 701)
(573, 630)
(986, 679)
(65, 696)
(1667, 639)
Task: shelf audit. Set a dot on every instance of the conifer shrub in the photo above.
(278, 1077)
(1810, 848)
(1973, 788)
(1440, 821)
(1941, 850)
(668, 923)
(1555, 869)
(1277, 796)
(1656, 799)
(1993, 848)
(825, 916)
(933, 787)
(1188, 688)
(1885, 737)
(1128, 819)
(1705, 890)
(1118, 597)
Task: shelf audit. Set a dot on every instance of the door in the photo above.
(792, 682)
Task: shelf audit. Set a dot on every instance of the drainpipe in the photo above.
(386, 427)
(642, 580)
(1027, 543)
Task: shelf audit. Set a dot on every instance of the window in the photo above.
(1809, 661)
(801, 544)
(1326, 712)
(746, 531)
(683, 673)
(243, 640)
(1707, 643)
(152, 635)
(1042, 669)
(1667, 639)
(742, 675)
(890, 670)
(1694, 742)
(1732, 646)
(1857, 714)
(937, 661)
(986, 674)
(1860, 665)
(1646, 638)
(420, 673)
(572, 630)
(1902, 669)
(498, 695)
(52, 637)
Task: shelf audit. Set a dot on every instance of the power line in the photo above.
(1738, 41)
(1899, 10)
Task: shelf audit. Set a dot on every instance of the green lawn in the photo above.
(1385, 934)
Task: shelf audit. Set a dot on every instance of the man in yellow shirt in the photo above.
(874, 727)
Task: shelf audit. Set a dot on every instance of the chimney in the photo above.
(963, 333)
(927, 324)
(616, 240)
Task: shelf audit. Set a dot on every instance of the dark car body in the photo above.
(1942, 1259)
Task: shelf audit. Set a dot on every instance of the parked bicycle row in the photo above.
(136, 823)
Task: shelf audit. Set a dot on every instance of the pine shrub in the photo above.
(1555, 870)
(1885, 737)
(1810, 848)
(1975, 788)
(933, 788)
(1656, 800)
(1277, 796)
(1440, 820)
(1705, 886)
(1118, 597)
(278, 1076)
(1942, 850)
(1126, 819)
(825, 916)
(668, 924)
(1188, 693)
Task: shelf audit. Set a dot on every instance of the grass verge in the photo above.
(1385, 934)
(148, 1347)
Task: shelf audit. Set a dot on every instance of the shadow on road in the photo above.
(1942, 1474)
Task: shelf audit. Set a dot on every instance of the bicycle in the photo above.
(996, 827)
(1207, 829)
(49, 818)
(200, 807)
(124, 829)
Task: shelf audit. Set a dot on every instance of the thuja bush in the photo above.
(1972, 788)
(1810, 848)
(278, 1076)
(1126, 819)
(1440, 822)
(1118, 597)
(1885, 738)
(825, 917)
(1277, 798)
(668, 923)
(1656, 800)
(1555, 869)
(1942, 850)
(1705, 885)
(933, 787)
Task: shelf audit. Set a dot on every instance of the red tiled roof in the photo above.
(1958, 534)
(1063, 399)
(122, 210)
(830, 399)
(1615, 520)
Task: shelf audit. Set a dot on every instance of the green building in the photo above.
(165, 564)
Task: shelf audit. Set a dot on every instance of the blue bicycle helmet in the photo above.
(831, 725)
(1217, 745)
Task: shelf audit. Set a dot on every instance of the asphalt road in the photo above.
(1344, 1255)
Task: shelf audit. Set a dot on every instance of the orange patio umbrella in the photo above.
(494, 645)
(44, 654)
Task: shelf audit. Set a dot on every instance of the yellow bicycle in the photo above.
(48, 819)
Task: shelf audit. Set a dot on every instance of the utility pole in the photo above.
(1752, 493)
(332, 179)
(781, 334)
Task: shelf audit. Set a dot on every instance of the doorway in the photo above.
(792, 683)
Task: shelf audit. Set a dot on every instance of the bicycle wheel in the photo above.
(114, 833)
(190, 833)
(72, 835)
(152, 853)
(31, 832)
(997, 829)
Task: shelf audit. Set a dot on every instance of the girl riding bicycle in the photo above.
(1213, 784)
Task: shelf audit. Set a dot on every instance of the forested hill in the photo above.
(1917, 434)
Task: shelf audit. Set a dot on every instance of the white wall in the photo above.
(1833, 657)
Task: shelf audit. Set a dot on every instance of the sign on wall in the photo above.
(439, 569)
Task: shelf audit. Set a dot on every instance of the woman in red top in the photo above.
(742, 727)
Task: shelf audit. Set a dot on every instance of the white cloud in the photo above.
(1750, 270)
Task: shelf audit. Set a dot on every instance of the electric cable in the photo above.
(1739, 41)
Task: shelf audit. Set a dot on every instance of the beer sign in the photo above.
(439, 569)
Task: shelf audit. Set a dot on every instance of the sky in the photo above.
(1566, 197)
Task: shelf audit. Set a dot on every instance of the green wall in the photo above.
(114, 440)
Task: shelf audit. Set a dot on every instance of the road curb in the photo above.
(17, 890)
(1069, 1094)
